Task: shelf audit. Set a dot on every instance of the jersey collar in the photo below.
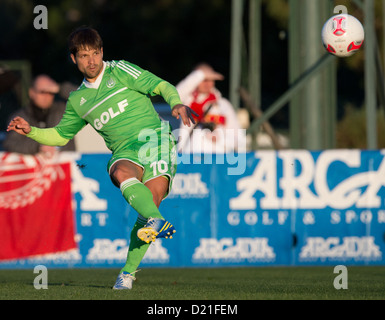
(95, 85)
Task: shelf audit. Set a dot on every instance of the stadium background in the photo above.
(169, 38)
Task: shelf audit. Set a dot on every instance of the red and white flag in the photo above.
(36, 215)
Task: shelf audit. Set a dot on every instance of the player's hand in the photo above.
(19, 125)
(184, 112)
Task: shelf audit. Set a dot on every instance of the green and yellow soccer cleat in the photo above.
(156, 228)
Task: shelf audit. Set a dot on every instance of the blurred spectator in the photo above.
(217, 128)
(43, 112)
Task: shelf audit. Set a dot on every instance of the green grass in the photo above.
(278, 283)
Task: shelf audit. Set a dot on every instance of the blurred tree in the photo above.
(167, 37)
(351, 130)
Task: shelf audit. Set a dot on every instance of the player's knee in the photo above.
(124, 170)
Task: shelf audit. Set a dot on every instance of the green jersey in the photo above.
(117, 105)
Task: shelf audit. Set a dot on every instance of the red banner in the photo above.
(36, 215)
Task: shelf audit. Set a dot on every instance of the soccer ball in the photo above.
(342, 35)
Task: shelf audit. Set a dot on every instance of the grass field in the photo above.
(278, 283)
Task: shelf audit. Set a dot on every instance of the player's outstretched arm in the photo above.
(19, 125)
(45, 136)
(171, 96)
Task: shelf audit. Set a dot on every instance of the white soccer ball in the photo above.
(343, 35)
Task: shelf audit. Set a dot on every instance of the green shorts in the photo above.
(157, 155)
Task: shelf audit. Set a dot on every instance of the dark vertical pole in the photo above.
(370, 75)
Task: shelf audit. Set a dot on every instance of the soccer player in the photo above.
(114, 99)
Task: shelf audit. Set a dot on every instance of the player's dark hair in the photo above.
(84, 38)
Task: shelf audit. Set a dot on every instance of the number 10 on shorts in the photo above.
(159, 167)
